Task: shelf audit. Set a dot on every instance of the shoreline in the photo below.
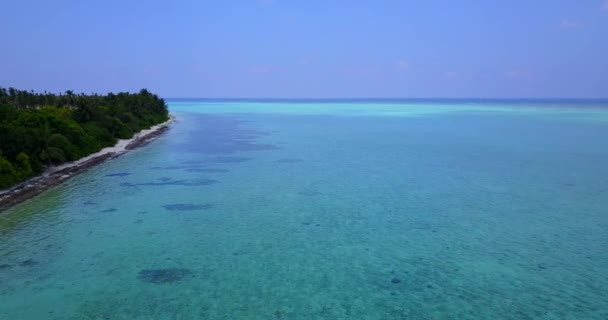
(56, 175)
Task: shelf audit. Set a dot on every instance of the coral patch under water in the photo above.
(192, 162)
(187, 206)
(161, 276)
(118, 174)
(309, 193)
(206, 170)
(28, 263)
(192, 182)
(289, 160)
(231, 159)
(174, 167)
(229, 136)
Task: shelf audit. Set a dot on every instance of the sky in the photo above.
(309, 49)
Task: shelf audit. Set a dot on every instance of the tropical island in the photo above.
(42, 130)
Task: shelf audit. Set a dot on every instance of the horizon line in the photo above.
(395, 99)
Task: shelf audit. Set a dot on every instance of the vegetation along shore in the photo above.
(46, 138)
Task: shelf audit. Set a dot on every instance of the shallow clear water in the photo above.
(327, 211)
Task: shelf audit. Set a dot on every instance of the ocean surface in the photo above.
(328, 210)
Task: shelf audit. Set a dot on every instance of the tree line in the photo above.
(44, 129)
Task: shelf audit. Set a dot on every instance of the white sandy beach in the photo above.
(119, 148)
(57, 174)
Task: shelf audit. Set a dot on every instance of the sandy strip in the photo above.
(58, 174)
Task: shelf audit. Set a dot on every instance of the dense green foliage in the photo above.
(40, 129)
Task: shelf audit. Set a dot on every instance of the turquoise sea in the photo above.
(328, 210)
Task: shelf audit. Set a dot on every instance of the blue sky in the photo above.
(309, 49)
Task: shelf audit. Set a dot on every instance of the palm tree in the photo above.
(48, 149)
(70, 97)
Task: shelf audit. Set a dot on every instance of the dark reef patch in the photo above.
(175, 167)
(5, 266)
(109, 210)
(309, 193)
(289, 160)
(118, 174)
(164, 179)
(395, 280)
(190, 183)
(28, 263)
(224, 135)
(192, 162)
(89, 203)
(207, 170)
(187, 206)
(231, 159)
(162, 276)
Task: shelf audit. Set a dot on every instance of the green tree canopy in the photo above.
(41, 129)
